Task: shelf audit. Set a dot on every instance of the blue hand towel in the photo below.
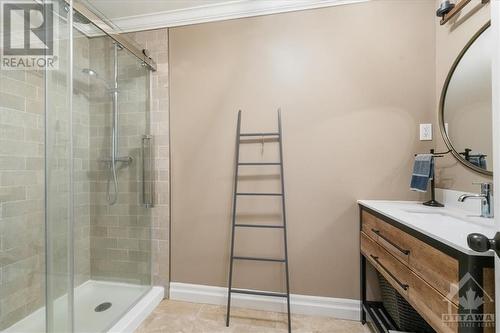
(423, 170)
(478, 160)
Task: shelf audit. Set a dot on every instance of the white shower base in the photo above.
(87, 297)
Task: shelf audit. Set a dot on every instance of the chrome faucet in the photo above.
(486, 197)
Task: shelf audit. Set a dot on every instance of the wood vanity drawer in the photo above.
(433, 266)
(431, 304)
(389, 237)
(393, 270)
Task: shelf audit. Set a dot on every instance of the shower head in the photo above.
(90, 71)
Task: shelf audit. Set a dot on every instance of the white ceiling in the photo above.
(126, 8)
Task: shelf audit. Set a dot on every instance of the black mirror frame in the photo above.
(443, 99)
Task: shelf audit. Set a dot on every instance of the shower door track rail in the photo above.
(107, 27)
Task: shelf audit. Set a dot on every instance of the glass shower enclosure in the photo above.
(75, 172)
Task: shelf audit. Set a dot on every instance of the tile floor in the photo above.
(183, 317)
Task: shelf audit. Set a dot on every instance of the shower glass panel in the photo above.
(112, 243)
(120, 226)
(22, 228)
(75, 160)
(58, 161)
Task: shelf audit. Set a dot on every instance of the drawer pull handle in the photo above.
(402, 285)
(396, 246)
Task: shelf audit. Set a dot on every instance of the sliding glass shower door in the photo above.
(113, 256)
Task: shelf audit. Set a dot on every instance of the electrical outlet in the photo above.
(425, 132)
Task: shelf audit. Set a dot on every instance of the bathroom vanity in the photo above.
(422, 252)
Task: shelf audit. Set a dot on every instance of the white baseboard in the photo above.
(339, 308)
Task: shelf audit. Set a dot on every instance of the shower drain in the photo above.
(102, 307)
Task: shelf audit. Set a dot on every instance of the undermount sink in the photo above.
(439, 215)
(446, 214)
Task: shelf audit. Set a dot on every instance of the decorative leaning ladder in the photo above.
(235, 225)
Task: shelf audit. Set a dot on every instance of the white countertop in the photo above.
(448, 225)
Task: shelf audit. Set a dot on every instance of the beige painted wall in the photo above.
(450, 40)
(353, 81)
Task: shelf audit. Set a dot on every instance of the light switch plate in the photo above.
(425, 132)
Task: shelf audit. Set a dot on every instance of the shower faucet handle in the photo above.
(124, 159)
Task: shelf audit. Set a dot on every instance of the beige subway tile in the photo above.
(12, 133)
(12, 193)
(19, 75)
(105, 243)
(18, 88)
(118, 232)
(19, 208)
(11, 163)
(16, 148)
(10, 178)
(35, 163)
(18, 118)
(98, 231)
(12, 101)
(130, 244)
(35, 106)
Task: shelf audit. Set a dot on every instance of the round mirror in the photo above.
(466, 104)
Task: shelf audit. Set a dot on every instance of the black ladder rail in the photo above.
(280, 130)
(229, 290)
(237, 194)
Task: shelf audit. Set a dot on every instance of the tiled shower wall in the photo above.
(120, 233)
(21, 194)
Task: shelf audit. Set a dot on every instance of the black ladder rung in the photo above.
(264, 194)
(259, 226)
(259, 134)
(260, 163)
(260, 293)
(258, 259)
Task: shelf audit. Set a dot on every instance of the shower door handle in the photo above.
(147, 171)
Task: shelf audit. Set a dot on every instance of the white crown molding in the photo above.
(219, 12)
(339, 308)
